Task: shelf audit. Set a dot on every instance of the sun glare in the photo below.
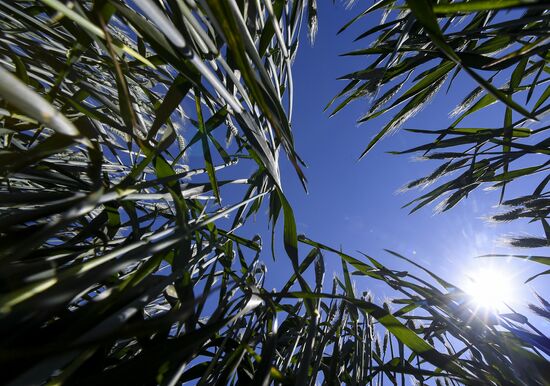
(490, 288)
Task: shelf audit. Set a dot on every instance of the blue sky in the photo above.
(354, 205)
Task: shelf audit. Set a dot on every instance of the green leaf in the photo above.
(478, 5)
(19, 95)
(206, 148)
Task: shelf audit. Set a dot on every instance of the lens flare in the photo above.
(490, 288)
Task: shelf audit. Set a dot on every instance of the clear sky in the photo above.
(354, 205)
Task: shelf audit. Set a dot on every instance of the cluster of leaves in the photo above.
(107, 223)
(437, 333)
(121, 264)
(422, 46)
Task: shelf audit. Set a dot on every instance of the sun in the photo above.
(490, 288)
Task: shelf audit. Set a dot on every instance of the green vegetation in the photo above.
(121, 259)
(507, 57)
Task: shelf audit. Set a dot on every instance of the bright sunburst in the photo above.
(490, 288)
